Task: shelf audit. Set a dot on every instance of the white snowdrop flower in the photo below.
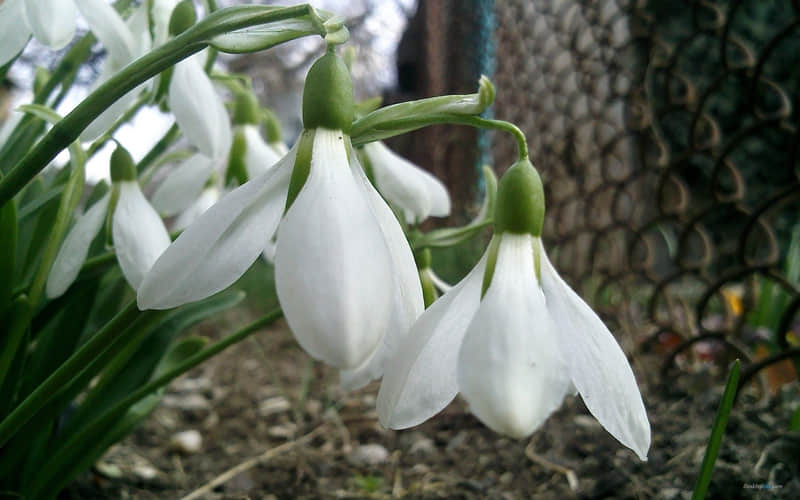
(514, 339)
(52, 22)
(183, 184)
(75, 248)
(123, 45)
(344, 272)
(198, 108)
(408, 187)
(138, 232)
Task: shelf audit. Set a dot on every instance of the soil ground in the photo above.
(263, 407)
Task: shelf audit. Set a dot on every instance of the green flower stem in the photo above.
(189, 42)
(362, 135)
(73, 366)
(56, 464)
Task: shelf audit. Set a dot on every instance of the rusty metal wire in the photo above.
(668, 135)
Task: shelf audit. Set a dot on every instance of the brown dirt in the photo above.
(264, 394)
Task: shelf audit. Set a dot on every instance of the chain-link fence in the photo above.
(668, 136)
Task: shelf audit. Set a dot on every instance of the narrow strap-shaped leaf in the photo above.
(138, 402)
(8, 253)
(720, 421)
(66, 372)
(17, 318)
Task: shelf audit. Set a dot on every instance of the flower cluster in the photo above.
(511, 337)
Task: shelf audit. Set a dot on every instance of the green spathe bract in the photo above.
(183, 17)
(328, 95)
(122, 166)
(520, 200)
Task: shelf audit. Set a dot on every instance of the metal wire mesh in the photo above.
(667, 133)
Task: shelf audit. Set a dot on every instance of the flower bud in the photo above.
(246, 109)
(236, 173)
(328, 95)
(182, 18)
(123, 167)
(520, 200)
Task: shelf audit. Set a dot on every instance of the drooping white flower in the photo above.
(52, 22)
(183, 185)
(138, 232)
(198, 108)
(259, 156)
(344, 272)
(515, 349)
(75, 248)
(338, 245)
(123, 45)
(411, 189)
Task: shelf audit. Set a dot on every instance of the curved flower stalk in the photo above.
(514, 339)
(138, 232)
(408, 187)
(432, 284)
(51, 22)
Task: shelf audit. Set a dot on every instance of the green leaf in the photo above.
(8, 254)
(133, 365)
(717, 431)
(16, 318)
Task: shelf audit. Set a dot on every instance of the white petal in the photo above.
(110, 29)
(161, 12)
(111, 114)
(410, 188)
(139, 233)
(221, 244)
(598, 367)
(139, 27)
(14, 31)
(198, 109)
(51, 21)
(332, 265)
(407, 303)
(206, 200)
(183, 185)
(510, 369)
(75, 248)
(421, 378)
(259, 156)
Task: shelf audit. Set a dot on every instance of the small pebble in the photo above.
(369, 454)
(188, 402)
(188, 442)
(422, 446)
(273, 405)
(285, 431)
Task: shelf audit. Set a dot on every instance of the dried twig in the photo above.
(250, 463)
(572, 479)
